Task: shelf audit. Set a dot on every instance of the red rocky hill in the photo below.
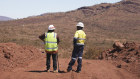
(127, 57)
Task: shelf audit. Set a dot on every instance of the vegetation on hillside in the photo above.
(104, 23)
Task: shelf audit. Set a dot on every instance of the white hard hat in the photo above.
(80, 24)
(51, 27)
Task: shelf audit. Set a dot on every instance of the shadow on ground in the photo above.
(40, 71)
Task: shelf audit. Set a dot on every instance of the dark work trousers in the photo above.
(77, 52)
(54, 57)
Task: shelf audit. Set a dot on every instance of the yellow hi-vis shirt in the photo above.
(51, 41)
(80, 36)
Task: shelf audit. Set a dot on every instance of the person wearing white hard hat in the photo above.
(78, 42)
(51, 41)
(51, 27)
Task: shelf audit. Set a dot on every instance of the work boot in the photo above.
(55, 71)
(78, 71)
(48, 70)
(68, 70)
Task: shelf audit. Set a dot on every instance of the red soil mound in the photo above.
(127, 57)
(13, 55)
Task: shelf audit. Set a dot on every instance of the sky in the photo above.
(24, 8)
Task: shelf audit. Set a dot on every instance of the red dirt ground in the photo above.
(25, 62)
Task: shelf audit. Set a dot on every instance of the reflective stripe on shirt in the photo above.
(80, 44)
(49, 42)
(52, 48)
(81, 39)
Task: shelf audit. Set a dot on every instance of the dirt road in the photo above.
(92, 69)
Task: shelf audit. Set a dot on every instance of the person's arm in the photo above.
(74, 41)
(42, 37)
(75, 38)
(58, 40)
